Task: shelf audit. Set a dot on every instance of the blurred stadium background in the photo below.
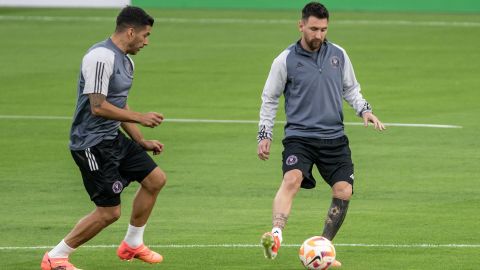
(416, 202)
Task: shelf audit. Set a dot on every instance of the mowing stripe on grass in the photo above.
(240, 21)
(219, 121)
(258, 246)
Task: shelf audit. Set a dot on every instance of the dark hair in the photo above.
(314, 9)
(131, 16)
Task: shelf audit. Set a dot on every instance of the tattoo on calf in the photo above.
(280, 220)
(336, 215)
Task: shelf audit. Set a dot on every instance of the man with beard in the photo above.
(108, 160)
(314, 75)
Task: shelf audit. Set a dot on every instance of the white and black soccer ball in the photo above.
(317, 252)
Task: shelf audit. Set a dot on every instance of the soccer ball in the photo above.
(317, 252)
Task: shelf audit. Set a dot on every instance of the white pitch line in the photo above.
(35, 117)
(242, 21)
(220, 121)
(258, 246)
(283, 122)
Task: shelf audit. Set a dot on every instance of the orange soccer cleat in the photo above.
(271, 244)
(142, 252)
(336, 264)
(56, 263)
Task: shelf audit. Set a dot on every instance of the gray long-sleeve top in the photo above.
(314, 85)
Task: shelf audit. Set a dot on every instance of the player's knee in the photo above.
(160, 180)
(342, 190)
(109, 215)
(155, 181)
(113, 215)
(163, 179)
(292, 181)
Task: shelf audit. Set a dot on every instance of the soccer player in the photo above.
(109, 160)
(314, 75)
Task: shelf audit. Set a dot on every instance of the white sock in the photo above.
(62, 250)
(134, 237)
(278, 232)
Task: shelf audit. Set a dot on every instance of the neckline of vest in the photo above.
(110, 42)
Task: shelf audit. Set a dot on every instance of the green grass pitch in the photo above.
(413, 185)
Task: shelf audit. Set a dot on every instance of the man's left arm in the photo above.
(134, 132)
(352, 94)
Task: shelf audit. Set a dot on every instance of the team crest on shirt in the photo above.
(117, 187)
(291, 160)
(335, 61)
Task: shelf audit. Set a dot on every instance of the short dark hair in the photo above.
(314, 9)
(131, 16)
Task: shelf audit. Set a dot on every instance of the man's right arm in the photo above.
(100, 107)
(272, 91)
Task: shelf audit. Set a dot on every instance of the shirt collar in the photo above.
(300, 50)
(110, 42)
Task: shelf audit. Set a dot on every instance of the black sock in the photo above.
(336, 215)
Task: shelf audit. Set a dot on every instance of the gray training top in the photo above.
(313, 85)
(106, 70)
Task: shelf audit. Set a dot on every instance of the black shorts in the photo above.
(331, 156)
(108, 167)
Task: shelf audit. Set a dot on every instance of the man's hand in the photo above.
(152, 145)
(263, 150)
(370, 117)
(151, 119)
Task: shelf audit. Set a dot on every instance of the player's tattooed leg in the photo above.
(280, 220)
(336, 215)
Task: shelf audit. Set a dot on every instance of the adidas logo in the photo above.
(299, 64)
(118, 71)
